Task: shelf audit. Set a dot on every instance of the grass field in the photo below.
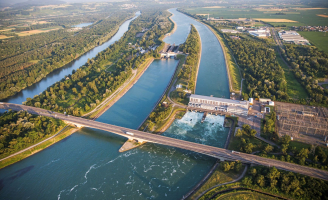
(5, 37)
(294, 88)
(318, 39)
(43, 30)
(304, 16)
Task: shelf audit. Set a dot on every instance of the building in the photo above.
(263, 32)
(262, 100)
(292, 37)
(219, 104)
(169, 51)
(229, 31)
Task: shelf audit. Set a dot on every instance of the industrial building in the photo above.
(219, 104)
(292, 37)
(229, 31)
(263, 32)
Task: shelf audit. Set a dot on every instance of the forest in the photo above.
(19, 130)
(26, 60)
(88, 86)
(309, 64)
(264, 76)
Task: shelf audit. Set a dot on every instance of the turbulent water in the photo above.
(87, 165)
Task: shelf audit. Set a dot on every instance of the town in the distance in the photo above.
(184, 99)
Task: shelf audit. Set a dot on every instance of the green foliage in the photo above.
(192, 48)
(19, 130)
(308, 64)
(286, 183)
(264, 76)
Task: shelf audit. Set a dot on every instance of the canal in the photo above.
(88, 165)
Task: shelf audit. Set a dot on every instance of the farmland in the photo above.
(319, 39)
(297, 16)
(43, 30)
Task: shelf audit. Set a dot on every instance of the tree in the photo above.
(253, 172)
(239, 133)
(253, 132)
(260, 180)
(268, 148)
(247, 181)
(285, 139)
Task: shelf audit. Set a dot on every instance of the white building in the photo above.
(264, 32)
(292, 36)
(229, 31)
(213, 103)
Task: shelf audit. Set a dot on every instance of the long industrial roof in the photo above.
(218, 99)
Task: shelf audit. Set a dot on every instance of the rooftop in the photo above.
(218, 99)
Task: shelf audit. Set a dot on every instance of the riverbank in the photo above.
(164, 95)
(172, 30)
(62, 134)
(114, 99)
(233, 70)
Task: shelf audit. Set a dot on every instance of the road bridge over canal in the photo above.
(215, 152)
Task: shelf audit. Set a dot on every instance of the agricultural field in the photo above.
(43, 30)
(291, 16)
(5, 37)
(319, 39)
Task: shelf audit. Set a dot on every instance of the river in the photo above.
(60, 73)
(87, 165)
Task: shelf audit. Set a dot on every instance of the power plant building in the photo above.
(219, 104)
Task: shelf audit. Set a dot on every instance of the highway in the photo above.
(215, 152)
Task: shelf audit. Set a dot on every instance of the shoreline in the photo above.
(200, 58)
(124, 90)
(18, 156)
(174, 27)
(160, 99)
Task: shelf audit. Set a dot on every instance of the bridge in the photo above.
(215, 152)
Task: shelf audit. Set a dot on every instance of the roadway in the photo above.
(215, 152)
